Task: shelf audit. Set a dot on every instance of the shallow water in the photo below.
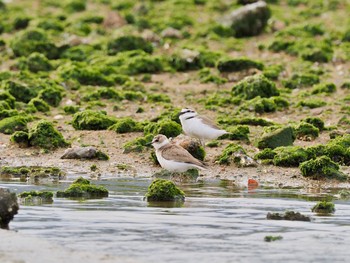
(217, 223)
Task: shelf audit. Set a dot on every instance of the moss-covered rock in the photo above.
(21, 22)
(8, 113)
(166, 127)
(272, 238)
(266, 155)
(312, 103)
(92, 120)
(21, 138)
(290, 156)
(239, 133)
(164, 190)
(288, 215)
(33, 40)
(20, 91)
(138, 144)
(81, 188)
(238, 64)
(306, 131)
(34, 174)
(52, 95)
(265, 105)
(326, 88)
(125, 125)
(301, 80)
(322, 167)
(74, 6)
(279, 137)
(228, 155)
(273, 72)
(38, 62)
(254, 86)
(8, 98)
(126, 43)
(44, 135)
(315, 121)
(36, 197)
(15, 123)
(39, 105)
(70, 109)
(324, 208)
(78, 53)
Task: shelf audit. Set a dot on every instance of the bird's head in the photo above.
(187, 113)
(159, 141)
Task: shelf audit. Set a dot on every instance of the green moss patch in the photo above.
(81, 188)
(138, 144)
(166, 127)
(92, 120)
(36, 197)
(164, 190)
(126, 43)
(306, 131)
(290, 156)
(44, 135)
(15, 123)
(239, 132)
(34, 173)
(238, 64)
(39, 105)
(228, 154)
(324, 208)
(322, 167)
(301, 81)
(21, 138)
(279, 137)
(125, 125)
(254, 86)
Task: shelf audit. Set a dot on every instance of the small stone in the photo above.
(171, 33)
(80, 153)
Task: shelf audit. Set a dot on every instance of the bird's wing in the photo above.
(208, 122)
(178, 154)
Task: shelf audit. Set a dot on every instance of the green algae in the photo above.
(164, 190)
(51, 95)
(19, 91)
(254, 86)
(306, 131)
(326, 88)
(81, 188)
(92, 120)
(272, 238)
(127, 43)
(238, 64)
(44, 135)
(37, 62)
(238, 132)
(312, 103)
(245, 121)
(228, 154)
(36, 197)
(301, 80)
(290, 156)
(39, 105)
(315, 121)
(15, 123)
(279, 137)
(323, 208)
(8, 98)
(138, 144)
(166, 127)
(322, 167)
(125, 125)
(21, 138)
(34, 173)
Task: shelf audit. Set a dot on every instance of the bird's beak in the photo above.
(180, 113)
(149, 143)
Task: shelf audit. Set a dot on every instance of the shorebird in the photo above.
(173, 157)
(198, 126)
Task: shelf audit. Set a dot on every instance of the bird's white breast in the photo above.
(196, 128)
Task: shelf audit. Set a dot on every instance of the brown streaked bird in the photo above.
(173, 157)
(198, 126)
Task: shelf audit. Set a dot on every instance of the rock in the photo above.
(249, 20)
(289, 215)
(35, 198)
(150, 36)
(171, 33)
(81, 188)
(80, 153)
(8, 207)
(280, 137)
(164, 190)
(324, 208)
(89, 152)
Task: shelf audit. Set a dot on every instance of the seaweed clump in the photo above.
(81, 188)
(324, 208)
(12, 124)
(127, 43)
(44, 135)
(164, 190)
(92, 120)
(231, 154)
(280, 137)
(322, 167)
(36, 197)
(238, 64)
(254, 86)
(126, 125)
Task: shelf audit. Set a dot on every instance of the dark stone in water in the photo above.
(8, 207)
(288, 215)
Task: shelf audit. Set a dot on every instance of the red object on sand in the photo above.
(252, 183)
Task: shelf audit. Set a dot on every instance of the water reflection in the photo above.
(219, 222)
